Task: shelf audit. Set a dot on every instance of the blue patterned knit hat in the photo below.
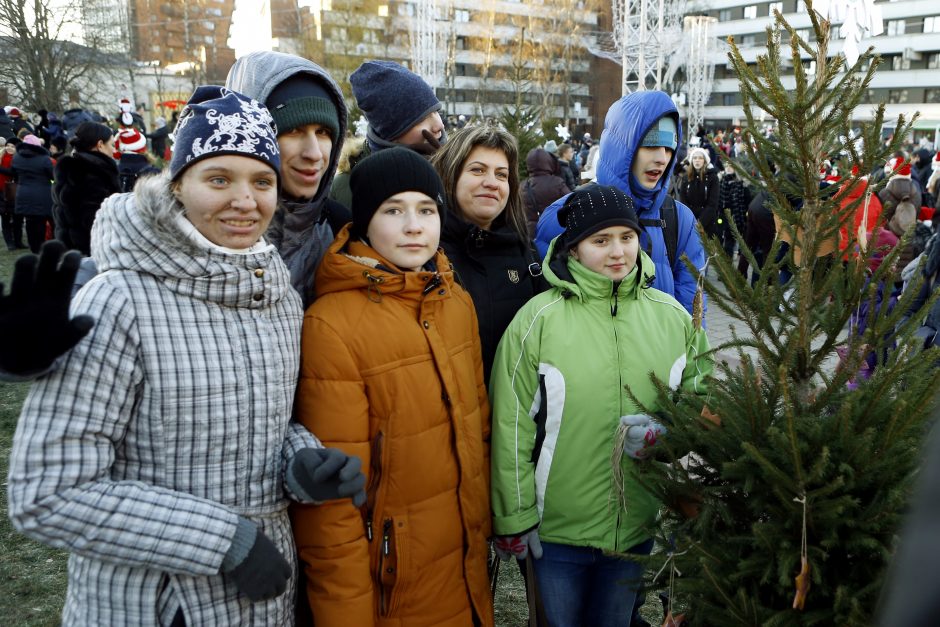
(218, 121)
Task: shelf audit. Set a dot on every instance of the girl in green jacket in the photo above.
(561, 386)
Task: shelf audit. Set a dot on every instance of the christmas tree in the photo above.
(787, 484)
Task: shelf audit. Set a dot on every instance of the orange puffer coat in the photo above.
(392, 372)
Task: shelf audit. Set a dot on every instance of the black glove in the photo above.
(325, 474)
(263, 573)
(35, 314)
(428, 147)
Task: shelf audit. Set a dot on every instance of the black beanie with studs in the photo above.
(592, 208)
(383, 174)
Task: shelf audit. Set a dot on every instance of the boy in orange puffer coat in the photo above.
(392, 372)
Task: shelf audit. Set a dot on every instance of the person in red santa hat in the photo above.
(901, 188)
(19, 121)
(866, 207)
(133, 159)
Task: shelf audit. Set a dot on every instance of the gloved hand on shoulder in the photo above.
(324, 474)
(519, 546)
(643, 431)
(35, 314)
(254, 564)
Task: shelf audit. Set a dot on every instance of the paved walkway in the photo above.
(720, 327)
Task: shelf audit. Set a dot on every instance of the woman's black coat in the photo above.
(82, 181)
(32, 167)
(499, 270)
(701, 196)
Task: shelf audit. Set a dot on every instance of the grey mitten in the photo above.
(254, 564)
(642, 433)
(519, 546)
(324, 474)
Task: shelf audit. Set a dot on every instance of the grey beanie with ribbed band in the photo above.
(383, 174)
(301, 100)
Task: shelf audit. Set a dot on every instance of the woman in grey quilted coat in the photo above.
(161, 452)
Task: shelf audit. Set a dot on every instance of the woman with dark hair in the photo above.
(83, 180)
(485, 236)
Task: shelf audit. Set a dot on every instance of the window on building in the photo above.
(933, 61)
(461, 15)
(208, 24)
(383, 10)
(898, 62)
(803, 34)
(406, 8)
(774, 6)
(748, 41)
(214, 11)
(800, 6)
(461, 43)
(932, 95)
(724, 15)
(897, 96)
(340, 33)
(370, 36)
(155, 48)
(728, 99)
(932, 24)
(750, 12)
(895, 27)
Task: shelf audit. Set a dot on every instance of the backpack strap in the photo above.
(669, 223)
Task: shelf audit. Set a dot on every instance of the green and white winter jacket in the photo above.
(559, 387)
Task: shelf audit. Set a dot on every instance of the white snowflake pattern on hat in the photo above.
(246, 131)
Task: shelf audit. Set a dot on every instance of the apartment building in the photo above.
(190, 34)
(907, 80)
(492, 53)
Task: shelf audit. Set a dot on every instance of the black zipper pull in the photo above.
(386, 532)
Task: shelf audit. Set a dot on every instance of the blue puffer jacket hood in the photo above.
(627, 122)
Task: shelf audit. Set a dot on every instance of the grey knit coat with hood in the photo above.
(170, 420)
(299, 229)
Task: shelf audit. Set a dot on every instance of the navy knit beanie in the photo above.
(383, 174)
(392, 97)
(591, 208)
(302, 99)
(218, 121)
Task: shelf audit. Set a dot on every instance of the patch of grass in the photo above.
(32, 576)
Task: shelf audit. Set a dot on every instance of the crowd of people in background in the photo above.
(451, 306)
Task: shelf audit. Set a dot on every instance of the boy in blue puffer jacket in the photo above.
(637, 154)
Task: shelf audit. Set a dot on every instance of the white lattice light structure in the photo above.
(646, 33)
(428, 40)
(699, 70)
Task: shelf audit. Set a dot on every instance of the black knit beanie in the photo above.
(302, 99)
(383, 174)
(592, 208)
